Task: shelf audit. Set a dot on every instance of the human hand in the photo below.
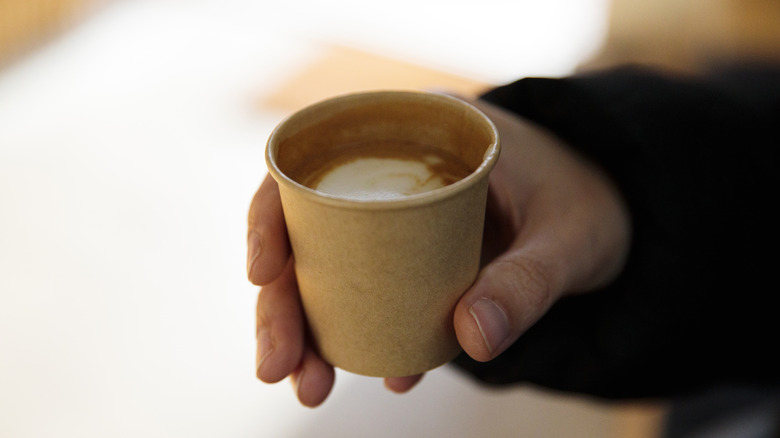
(282, 347)
(554, 226)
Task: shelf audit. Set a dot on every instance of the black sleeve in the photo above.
(696, 158)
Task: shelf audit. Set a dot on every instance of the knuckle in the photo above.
(531, 282)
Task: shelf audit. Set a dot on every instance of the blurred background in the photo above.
(131, 142)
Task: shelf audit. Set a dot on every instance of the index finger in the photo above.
(268, 247)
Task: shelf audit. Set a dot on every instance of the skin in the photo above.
(555, 226)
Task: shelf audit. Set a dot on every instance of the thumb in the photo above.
(509, 296)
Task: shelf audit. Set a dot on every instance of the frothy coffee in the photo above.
(382, 170)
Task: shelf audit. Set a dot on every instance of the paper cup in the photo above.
(379, 280)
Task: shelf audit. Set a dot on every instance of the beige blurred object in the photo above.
(25, 24)
(690, 35)
(341, 70)
(638, 420)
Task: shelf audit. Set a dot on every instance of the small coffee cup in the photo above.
(379, 278)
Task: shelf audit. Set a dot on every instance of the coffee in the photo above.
(381, 170)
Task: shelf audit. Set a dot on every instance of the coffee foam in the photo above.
(386, 170)
(381, 178)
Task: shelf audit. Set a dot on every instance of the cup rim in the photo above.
(489, 158)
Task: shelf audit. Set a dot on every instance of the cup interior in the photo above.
(314, 135)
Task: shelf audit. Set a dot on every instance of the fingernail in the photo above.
(492, 322)
(253, 246)
(264, 348)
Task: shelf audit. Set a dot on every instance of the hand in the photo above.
(282, 349)
(554, 226)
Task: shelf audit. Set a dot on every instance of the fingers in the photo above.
(280, 328)
(402, 384)
(313, 379)
(510, 294)
(268, 248)
(281, 344)
(282, 350)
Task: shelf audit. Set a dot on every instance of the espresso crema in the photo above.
(386, 170)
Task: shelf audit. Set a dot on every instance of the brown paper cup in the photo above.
(379, 280)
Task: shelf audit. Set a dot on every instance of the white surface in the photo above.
(129, 151)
